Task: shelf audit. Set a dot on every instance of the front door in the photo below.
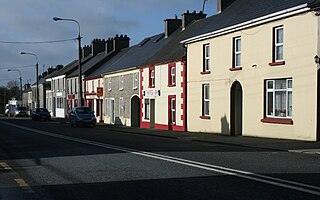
(152, 113)
(236, 109)
(171, 111)
(112, 111)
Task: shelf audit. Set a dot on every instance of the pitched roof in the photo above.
(134, 56)
(241, 11)
(69, 67)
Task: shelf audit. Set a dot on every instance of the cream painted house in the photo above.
(254, 74)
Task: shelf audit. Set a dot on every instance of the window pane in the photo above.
(289, 104)
(279, 52)
(281, 84)
(207, 49)
(280, 104)
(238, 45)
(270, 103)
(279, 33)
(206, 92)
(207, 64)
(270, 84)
(289, 83)
(206, 108)
(238, 59)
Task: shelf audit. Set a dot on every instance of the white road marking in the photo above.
(223, 170)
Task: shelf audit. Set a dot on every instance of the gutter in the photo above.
(254, 22)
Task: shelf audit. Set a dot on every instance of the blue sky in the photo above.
(31, 20)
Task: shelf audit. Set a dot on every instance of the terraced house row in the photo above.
(251, 69)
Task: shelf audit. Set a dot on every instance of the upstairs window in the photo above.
(172, 74)
(152, 78)
(109, 84)
(135, 80)
(121, 82)
(237, 52)
(278, 44)
(206, 58)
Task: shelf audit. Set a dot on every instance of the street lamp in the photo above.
(37, 76)
(79, 54)
(16, 70)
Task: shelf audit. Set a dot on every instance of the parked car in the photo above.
(82, 116)
(20, 111)
(40, 113)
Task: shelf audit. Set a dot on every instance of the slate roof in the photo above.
(245, 10)
(69, 67)
(134, 56)
(92, 63)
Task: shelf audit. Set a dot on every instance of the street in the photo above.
(52, 160)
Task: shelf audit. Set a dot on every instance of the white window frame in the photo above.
(135, 80)
(152, 77)
(278, 44)
(206, 101)
(206, 58)
(109, 84)
(237, 52)
(147, 109)
(121, 82)
(121, 107)
(273, 91)
(173, 75)
(173, 110)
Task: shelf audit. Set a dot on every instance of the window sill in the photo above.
(277, 63)
(235, 69)
(172, 85)
(151, 86)
(204, 73)
(204, 117)
(277, 121)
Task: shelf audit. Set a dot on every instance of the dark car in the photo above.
(41, 113)
(20, 112)
(82, 116)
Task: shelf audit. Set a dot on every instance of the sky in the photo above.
(31, 21)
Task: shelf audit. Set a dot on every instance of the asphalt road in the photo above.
(48, 160)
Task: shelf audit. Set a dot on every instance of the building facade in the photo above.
(258, 83)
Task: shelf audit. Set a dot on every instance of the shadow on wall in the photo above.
(118, 121)
(225, 130)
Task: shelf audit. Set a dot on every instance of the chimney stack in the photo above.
(44, 74)
(27, 86)
(120, 42)
(171, 25)
(109, 45)
(50, 70)
(86, 51)
(223, 4)
(188, 17)
(98, 46)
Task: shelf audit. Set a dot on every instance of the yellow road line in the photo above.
(5, 166)
(21, 182)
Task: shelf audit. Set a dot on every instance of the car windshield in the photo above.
(21, 108)
(41, 110)
(84, 111)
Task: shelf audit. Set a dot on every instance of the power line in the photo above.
(6, 68)
(37, 42)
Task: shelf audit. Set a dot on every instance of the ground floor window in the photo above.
(121, 107)
(107, 108)
(147, 109)
(172, 110)
(205, 100)
(279, 98)
(60, 102)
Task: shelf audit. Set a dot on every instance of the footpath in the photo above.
(240, 141)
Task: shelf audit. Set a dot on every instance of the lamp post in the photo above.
(16, 70)
(79, 54)
(37, 75)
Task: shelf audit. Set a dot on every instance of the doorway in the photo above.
(135, 111)
(236, 109)
(152, 113)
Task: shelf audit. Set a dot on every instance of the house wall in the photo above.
(163, 87)
(126, 93)
(91, 98)
(58, 86)
(300, 47)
